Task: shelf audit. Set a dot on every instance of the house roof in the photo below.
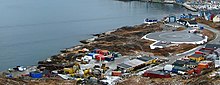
(179, 62)
(213, 46)
(185, 62)
(196, 55)
(122, 65)
(192, 63)
(131, 63)
(134, 62)
(181, 68)
(156, 72)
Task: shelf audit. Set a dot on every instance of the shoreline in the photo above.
(174, 3)
(114, 35)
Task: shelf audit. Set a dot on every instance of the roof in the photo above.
(179, 62)
(122, 65)
(185, 62)
(218, 50)
(205, 62)
(134, 62)
(205, 51)
(196, 55)
(213, 46)
(156, 72)
(192, 22)
(192, 63)
(181, 68)
(131, 63)
(145, 58)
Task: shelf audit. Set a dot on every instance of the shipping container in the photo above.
(98, 57)
(116, 73)
(104, 52)
(156, 74)
(36, 75)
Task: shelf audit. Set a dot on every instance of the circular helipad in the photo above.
(176, 36)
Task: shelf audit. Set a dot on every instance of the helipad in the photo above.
(176, 36)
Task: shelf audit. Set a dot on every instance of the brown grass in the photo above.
(180, 28)
(209, 23)
(210, 34)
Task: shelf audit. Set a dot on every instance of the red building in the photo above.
(156, 74)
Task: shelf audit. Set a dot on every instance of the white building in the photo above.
(216, 18)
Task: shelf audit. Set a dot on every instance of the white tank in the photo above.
(168, 67)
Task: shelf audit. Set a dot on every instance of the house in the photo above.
(147, 60)
(131, 65)
(216, 18)
(197, 57)
(156, 74)
(192, 24)
(205, 64)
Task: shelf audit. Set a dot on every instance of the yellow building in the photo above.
(197, 57)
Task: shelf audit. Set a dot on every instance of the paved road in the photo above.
(217, 32)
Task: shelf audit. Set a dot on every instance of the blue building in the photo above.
(180, 1)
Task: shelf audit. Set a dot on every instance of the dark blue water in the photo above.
(32, 30)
